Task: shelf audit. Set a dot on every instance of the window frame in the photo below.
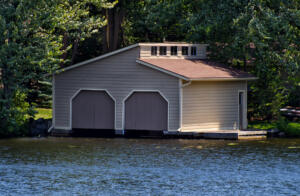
(163, 50)
(193, 49)
(174, 50)
(187, 50)
(153, 50)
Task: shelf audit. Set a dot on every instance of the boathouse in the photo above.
(150, 86)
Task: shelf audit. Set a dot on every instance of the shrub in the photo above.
(282, 124)
(293, 129)
(14, 121)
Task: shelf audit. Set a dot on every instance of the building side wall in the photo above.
(212, 106)
(119, 75)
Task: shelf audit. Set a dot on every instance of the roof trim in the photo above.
(162, 70)
(95, 59)
(170, 44)
(194, 79)
(224, 79)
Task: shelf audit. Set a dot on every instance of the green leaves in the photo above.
(31, 44)
(263, 33)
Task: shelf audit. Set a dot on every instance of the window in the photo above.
(185, 50)
(193, 51)
(153, 50)
(162, 50)
(174, 50)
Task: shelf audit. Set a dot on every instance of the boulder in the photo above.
(39, 127)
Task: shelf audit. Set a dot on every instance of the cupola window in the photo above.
(193, 51)
(153, 50)
(174, 50)
(185, 50)
(162, 50)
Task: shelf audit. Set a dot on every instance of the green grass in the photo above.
(293, 129)
(262, 125)
(43, 113)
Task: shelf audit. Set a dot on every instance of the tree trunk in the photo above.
(112, 38)
(245, 63)
(65, 45)
(74, 51)
(7, 91)
(110, 32)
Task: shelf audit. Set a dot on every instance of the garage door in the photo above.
(93, 110)
(146, 111)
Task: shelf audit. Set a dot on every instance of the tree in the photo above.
(32, 45)
(262, 35)
(76, 21)
(26, 46)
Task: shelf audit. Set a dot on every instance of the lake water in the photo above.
(117, 166)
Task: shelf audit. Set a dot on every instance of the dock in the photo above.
(221, 134)
(218, 134)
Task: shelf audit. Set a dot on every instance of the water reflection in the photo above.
(150, 167)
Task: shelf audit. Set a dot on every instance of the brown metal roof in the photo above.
(196, 69)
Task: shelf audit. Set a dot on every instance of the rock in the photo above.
(281, 134)
(274, 130)
(39, 127)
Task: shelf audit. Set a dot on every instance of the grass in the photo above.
(290, 128)
(43, 113)
(265, 125)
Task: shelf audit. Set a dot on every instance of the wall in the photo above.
(212, 106)
(119, 74)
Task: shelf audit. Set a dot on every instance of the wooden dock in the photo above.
(221, 134)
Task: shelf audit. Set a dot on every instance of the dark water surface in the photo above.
(93, 166)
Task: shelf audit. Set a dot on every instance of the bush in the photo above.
(282, 124)
(14, 121)
(293, 129)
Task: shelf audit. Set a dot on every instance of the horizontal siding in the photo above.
(119, 74)
(211, 105)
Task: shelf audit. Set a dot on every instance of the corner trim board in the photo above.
(180, 104)
(53, 101)
(244, 101)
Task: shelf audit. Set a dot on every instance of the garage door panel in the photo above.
(146, 111)
(79, 107)
(93, 110)
(105, 118)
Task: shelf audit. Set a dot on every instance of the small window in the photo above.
(174, 50)
(185, 50)
(153, 50)
(193, 51)
(162, 50)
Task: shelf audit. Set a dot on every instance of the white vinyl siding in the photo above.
(212, 106)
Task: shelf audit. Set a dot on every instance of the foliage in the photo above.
(263, 125)
(16, 123)
(38, 36)
(44, 113)
(32, 45)
(289, 128)
(40, 93)
(282, 124)
(262, 35)
(293, 129)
